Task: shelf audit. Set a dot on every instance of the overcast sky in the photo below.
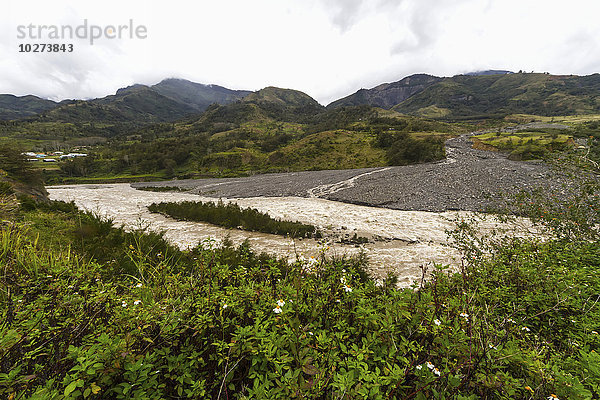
(325, 48)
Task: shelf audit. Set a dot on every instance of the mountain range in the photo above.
(479, 94)
(168, 100)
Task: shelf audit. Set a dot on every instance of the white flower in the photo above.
(123, 303)
(280, 303)
(594, 333)
(225, 305)
(552, 397)
(419, 367)
(437, 322)
(347, 288)
(436, 371)
(338, 301)
(135, 303)
(310, 333)
(343, 280)
(139, 285)
(511, 320)
(277, 309)
(430, 365)
(526, 329)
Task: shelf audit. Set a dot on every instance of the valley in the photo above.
(456, 254)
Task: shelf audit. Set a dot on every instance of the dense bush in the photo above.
(230, 215)
(402, 149)
(226, 323)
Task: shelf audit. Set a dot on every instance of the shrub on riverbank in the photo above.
(230, 215)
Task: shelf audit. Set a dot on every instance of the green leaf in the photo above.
(72, 386)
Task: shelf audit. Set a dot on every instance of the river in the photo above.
(400, 242)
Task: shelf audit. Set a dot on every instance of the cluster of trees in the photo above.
(231, 215)
(403, 149)
(16, 166)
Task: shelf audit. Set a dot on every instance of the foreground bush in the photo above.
(227, 323)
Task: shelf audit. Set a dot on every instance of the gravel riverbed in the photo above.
(468, 179)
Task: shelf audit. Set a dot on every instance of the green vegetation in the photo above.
(230, 215)
(159, 132)
(403, 149)
(494, 96)
(242, 138)
(90, 311)
(17, 177)
(13, 107)
(524, 145)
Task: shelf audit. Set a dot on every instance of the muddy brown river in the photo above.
(400, 242)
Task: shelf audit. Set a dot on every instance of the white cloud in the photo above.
(326, 48)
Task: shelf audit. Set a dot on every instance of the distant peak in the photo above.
(272, 94)
(130, 89)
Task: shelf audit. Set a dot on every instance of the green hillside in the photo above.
(136, 106)
(282, 97)
(497, 95)
(139, 133)
(291, 133)
(13, 107)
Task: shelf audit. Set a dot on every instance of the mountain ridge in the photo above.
(465, 96)
(387, 95)
(491, 92)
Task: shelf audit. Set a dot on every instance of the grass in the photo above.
(523, 145)
(561, 119)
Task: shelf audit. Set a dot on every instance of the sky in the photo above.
(325, 48)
